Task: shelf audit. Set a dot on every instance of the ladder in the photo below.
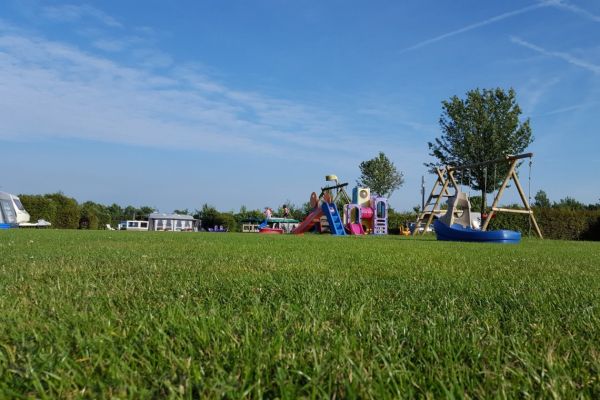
(445, 179)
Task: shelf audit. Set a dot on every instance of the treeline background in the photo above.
(66, 213)
(566, 219)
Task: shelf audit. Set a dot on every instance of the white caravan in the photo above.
(11, 210)
(133, 226)
(13, 213)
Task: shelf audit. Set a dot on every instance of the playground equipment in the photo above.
(324, 207)
(456, 225)
(446, 180)
(14, 215)
(366, 214)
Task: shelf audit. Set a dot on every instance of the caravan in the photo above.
(13, 214)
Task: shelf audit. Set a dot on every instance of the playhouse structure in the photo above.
(367, 214)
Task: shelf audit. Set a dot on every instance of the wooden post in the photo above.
(499, 195)
(437, 202)
(438, 181)
(445, 178)
(526, 204)
(451, 177)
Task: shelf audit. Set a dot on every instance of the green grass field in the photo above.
(128, 314)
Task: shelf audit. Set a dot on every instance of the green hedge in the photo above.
(554, 223)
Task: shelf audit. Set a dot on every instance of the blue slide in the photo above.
(333, 217)
(264, 224)
(459, 233)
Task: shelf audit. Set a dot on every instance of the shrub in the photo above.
(565, 224)
(39, 207)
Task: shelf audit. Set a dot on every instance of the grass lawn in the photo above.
(141, 314)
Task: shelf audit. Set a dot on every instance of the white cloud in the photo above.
(54, 90)
(558, 54)
(116, 44)
(74, 13)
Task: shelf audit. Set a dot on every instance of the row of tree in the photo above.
(541, 200)
(65, 212)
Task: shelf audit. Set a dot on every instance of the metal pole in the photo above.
(422, 193)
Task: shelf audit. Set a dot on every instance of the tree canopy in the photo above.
(483, 126)
(541, 200)
(380, 175)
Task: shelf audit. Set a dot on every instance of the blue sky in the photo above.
(175, 104)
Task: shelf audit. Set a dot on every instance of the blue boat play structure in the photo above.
(459, 233)
(456, 225)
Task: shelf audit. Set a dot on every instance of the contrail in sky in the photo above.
(557, 54)
(477, 25)
(575, 9)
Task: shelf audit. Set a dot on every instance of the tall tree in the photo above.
(210, 216)
(483, 126)
(381, 175)
(541, 200)
(67, 211)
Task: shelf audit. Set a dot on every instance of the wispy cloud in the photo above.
(557, 54)
(55, 90)
(476, 25)
(569, 109)
(574, 8)
(116, 44)
(535, 90)
(73, 13)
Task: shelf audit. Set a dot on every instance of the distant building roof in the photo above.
(170, 216)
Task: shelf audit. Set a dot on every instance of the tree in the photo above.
(129, 212)
(541, 200)
(145, 211)
(67, 211)
(381, 175)
(209, 216)
(482, 127)
(40, 207)
(569, 203)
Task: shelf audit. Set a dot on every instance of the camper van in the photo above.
(133, 226)
(12, 211)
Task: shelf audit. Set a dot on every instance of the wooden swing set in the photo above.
(445, 180)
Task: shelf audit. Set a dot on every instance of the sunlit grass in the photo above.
(124, 314)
